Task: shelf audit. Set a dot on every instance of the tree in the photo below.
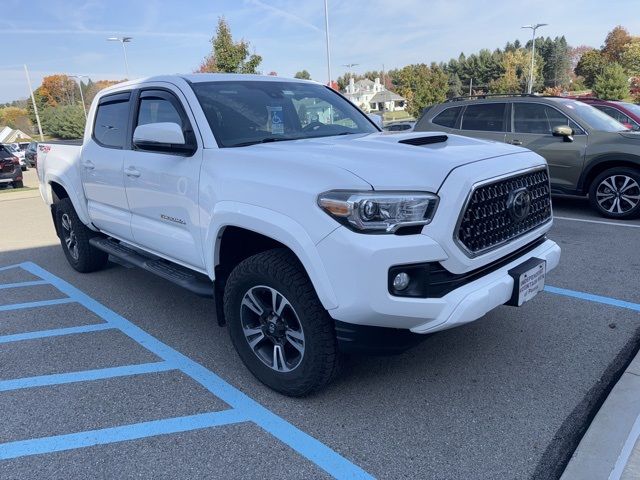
(612, 83)
(91, 88)
(591, 64)
(455, 86)
(58, 90)
(15, 117)
(630, 58)
(304, 75)
(421, 85)
(65, 122)
(614, 43)
(517, 65)
(228, 56)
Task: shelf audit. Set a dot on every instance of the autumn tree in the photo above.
(58, 90)
(630, 58)
(91, 88)
(614, 43)
(15, 117)
(303, 74)
(421, 85)
(591, 64)
(228, 56)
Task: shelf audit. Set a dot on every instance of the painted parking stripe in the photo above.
(56, 332)
(42, 303)
(307, 446)
(22, 284)
(593, 298)
(83, 376)
(122, 433)
(9, 267)
(601, 222)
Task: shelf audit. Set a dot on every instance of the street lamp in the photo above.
(123, 40)
(326, 27)
(80, 77)
(533, 50)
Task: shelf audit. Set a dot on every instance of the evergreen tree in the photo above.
(228, 56)
(612, 83)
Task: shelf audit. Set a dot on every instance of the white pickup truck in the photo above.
(315, 233)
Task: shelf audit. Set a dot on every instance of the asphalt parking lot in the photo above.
(142, 382)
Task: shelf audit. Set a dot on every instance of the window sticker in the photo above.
(276, 120)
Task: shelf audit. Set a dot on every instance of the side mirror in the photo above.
(162, 137)
(563, 131)
(377, 119)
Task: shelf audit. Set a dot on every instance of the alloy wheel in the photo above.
(618, 194)
(272, 328)
(69, 236)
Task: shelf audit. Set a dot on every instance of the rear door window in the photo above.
(488, 117)
(112, 118)
(447, 118)
(537, 118)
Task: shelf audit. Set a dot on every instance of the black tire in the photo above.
(18, 184)
(280, 270)
(80, 254)
(25, 168)
(599, 193)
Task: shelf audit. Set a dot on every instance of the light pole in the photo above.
(123, 40)
(80, 77)
(533, 51)
(326, 27)
(349, 67)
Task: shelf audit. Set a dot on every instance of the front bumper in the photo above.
(358, 271)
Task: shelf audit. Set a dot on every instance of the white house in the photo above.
(9, 135)
(372, 96)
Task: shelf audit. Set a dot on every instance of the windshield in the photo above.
(632, 107)
(593, 117)
(242, 113)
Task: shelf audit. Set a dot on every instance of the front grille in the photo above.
(500, 211)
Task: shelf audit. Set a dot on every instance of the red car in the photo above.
(626, 113)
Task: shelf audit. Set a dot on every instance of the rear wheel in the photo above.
(18, 184)
(74, 237)
(277, 324)
(615, 193)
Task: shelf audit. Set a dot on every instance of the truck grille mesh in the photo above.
(503, 210)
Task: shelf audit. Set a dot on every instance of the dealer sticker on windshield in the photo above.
(528, 280)
(276, 120)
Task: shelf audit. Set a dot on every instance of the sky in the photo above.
(54, 36)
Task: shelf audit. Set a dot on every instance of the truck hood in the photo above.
(383, 161)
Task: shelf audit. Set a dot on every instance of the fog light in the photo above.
(401, 281)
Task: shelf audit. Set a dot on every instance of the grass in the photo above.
(398, 115)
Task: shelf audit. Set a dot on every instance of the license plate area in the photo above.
(528, 280)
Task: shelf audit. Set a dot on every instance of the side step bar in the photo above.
(195, 282)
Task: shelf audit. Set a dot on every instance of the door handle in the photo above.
(88, 164)
(132, 172)
(516, 142)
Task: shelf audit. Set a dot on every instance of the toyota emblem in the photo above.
(519, 204)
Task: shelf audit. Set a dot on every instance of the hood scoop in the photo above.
(419, 141)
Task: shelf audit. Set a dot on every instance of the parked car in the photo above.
(14, 149)
(403, 126)
(31, 154)
(10, 171)
(316, 235)
(588, 152)
(626, 113)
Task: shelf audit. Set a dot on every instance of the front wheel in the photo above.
(615, 193)
(74, 237)
(278, 326)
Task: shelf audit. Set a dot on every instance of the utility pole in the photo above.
(470, 86)
(33, 99)
(326, 26)
(79, 77)
(533, 51)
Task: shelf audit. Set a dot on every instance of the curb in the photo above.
(611, 447)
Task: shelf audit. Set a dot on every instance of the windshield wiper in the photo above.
(264, 140)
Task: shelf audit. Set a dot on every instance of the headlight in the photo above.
(379, 211)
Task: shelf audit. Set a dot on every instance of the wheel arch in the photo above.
(605, 162)
(244, 230)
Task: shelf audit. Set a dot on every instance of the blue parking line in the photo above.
(122, 433)
(83, 376)
(9, 267)
(593, 298)
(42, 303)
(56, 332)
(307, 446)
(22, 284)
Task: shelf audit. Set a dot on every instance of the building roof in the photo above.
(9, 135)
(386, 96)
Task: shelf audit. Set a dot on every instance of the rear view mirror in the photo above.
(563, 131)
(162, 137)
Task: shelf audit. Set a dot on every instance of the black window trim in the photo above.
(456, 121)
(513, 113)
(504, 118)
(167, 94)
(120, 96)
